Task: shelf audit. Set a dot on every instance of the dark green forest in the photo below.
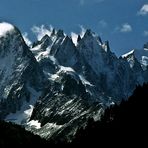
(11, 134)
(121, 125)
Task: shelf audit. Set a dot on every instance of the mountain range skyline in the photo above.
(54, 86)
(66, 65)
(123, 24)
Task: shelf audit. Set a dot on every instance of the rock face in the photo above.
(68, 108)
(19, 72)
(140, 54)
(55, 87)
(138, 60)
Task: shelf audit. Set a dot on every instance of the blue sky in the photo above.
(123, 22)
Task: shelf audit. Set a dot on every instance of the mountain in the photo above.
(98, 68)
(12, 134)
(119, 125)
(21, 79)
(54, 87)
(88, 74)
(138, 60)
(103, 69)
(140, 54)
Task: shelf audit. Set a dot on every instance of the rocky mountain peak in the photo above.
(53, 32)
(100, 40)
(140, 54)
(12, 41)
(60, 33)
(88, 33)
(79, 38)
(145, 46)
(67, 53)
(6, 28)
(20, 73)
(60, 85)
(45, 42)
(106, 46)
(68, 40)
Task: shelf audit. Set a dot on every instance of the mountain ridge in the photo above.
(63, 84)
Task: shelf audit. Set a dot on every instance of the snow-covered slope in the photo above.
(138, 60)
(84, 79)
(140, 54)
(19, 73)
(91, 59)
(5, 28)
(55, 86)
(65, 104)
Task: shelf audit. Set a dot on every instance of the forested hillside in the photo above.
(121, 125)
(11, 134)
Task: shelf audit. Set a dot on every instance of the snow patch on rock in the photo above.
(5, 28)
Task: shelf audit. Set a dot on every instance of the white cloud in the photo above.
(126, 28)
(26, 39)
(74, 37)
(103, 23)
(41, 31)
(144, 10)
(145, 33)
(83, 30)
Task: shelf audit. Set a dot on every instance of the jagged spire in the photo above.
(60, 33)
(68, 40)
(79, 38)
(53, 32)
(44, 42)
(146, 45)
(100, 40)
(88, 33)
(107, 48)
(45, 37)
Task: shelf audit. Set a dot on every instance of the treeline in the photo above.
(12, 134)
(121, 125)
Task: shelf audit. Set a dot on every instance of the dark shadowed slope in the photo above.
(11, 134)
(125, 124)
